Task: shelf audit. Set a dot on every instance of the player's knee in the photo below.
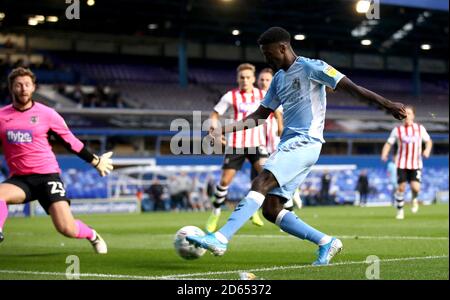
(224, 182)
(401, 188)
(264, 183)
(415, 188)
(270, 213)
(271, 208)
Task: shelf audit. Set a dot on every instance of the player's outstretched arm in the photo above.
(103, 163)
(62, 133)
(397, 109)
(255, 119)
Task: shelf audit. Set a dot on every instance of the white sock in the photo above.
(325, 240)
(216, 211)
(94, 235)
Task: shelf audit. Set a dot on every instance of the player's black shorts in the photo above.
(405, 175)
(236, 160)
(46, 188)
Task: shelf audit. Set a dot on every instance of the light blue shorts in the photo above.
(291, 163)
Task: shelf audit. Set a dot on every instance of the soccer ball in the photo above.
(183, 247)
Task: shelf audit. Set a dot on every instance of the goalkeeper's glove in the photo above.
(103, 164)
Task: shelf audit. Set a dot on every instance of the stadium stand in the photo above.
(155, 85)
(88, 185)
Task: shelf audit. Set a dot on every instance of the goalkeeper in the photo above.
(25, 126)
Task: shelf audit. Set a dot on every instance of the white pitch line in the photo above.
(196, 275)
(393, 237)
(364, 237)
(110, 276)
(276, 268)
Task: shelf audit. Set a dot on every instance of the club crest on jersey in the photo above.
(34, 119)
(296, 84)
(19, 136)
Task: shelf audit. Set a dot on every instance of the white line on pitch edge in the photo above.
(364, 237)
(175, 276)
(197, 275)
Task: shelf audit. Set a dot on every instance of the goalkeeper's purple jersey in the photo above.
(24, 136)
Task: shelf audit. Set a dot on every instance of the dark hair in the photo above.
(19, 72)
(274, 35)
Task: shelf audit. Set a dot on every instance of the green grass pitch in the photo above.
(140, 247)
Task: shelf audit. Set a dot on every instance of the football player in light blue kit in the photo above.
(299, 87)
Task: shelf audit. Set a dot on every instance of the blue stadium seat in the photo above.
(88, 184)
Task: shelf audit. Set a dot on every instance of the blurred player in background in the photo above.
(240, 145)
(362, 186)
(299, 86)
(25, 126)
(273, 127)
(409, 138)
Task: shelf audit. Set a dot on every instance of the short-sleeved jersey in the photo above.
(301, 92)
(409, 145)
(24, 136)
(241, 105)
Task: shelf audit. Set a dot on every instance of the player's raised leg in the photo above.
(290, 178)
(217, 242)
(289, 222)
(66, 225)
(280, 178)
(9, 194)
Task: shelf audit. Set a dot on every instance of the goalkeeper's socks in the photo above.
(84, 231)
(243, 211)
(292, 224)
(3, 213)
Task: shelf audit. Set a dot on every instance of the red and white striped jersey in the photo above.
(271, 133)
(241, 105)
(409, 143)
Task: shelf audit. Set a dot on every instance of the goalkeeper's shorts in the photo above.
(46, 188)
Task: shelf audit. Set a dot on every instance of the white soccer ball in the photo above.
(183, 247)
